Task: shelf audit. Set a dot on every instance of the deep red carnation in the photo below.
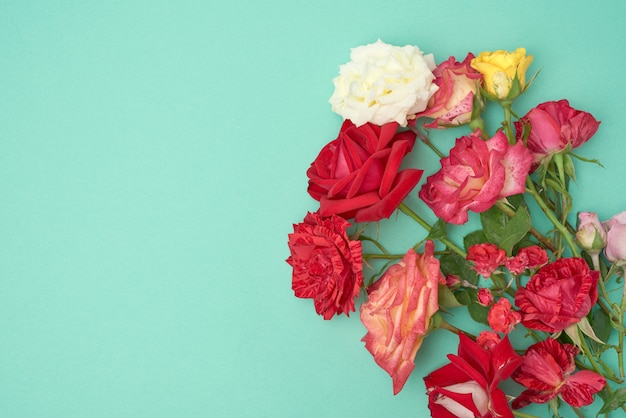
(327, 266)
(358, 174)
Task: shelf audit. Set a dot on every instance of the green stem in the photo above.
(523, 415)
(383, 256)
(426, 141)
(530, 188)
(620, 349)
(410, 213)
(508, 126)
(443, 324)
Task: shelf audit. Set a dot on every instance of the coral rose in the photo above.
(475, 175)
(560, 294)
(486, 257)
(452, 104)
(468, 386)
(327, 266)
(398, 312)
(547, 371)
(555, 127)
(502, 318)
(358, 174)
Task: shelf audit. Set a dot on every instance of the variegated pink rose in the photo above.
(452, 104)
(398, 312)
(475, 175)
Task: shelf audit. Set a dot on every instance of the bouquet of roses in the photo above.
(563, 285)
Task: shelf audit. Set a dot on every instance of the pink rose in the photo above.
(468, 386)
(502, 318)
(555, 126)
(591, 235)
(475, 175)
(484, 296)
(358, 174)
(327, 266)
(560, 294)
(398, 312)
(616, 238)
(452, 104)
(547, 371)
(486, 257)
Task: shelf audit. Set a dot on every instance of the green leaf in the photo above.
(613, 401)
(602, 325)
(464, 296)
(516, 229)
(516, 201)
(438, 231)
(568, 167)
(493, 222)
(478, 312)
(473, 238)
(456, 265)
(446, 298)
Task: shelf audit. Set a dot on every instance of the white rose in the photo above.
(383, 83)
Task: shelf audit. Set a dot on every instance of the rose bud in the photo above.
(484, 296)
(591, 235)
(616, 238)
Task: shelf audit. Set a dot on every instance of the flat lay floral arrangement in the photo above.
(535, 262)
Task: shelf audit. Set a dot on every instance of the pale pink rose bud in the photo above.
(616, 238)
(591, 235)
(485, 297)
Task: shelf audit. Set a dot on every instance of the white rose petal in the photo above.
(383, 83)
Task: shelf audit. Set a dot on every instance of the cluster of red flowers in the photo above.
(358, 176)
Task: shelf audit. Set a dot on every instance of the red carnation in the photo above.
(327, 266)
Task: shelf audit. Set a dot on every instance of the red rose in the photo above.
(468, 386)
(502, 318)
(398, 312)
(475, 175)
(358, 174)
(327, 266)
(555, 126)
(560, 294)
(547, 370)
(452, 104)
(486, 257)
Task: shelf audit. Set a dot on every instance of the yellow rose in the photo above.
(499, 69)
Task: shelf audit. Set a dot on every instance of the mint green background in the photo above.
(152, 161)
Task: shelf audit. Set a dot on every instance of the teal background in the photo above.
(152, 161)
